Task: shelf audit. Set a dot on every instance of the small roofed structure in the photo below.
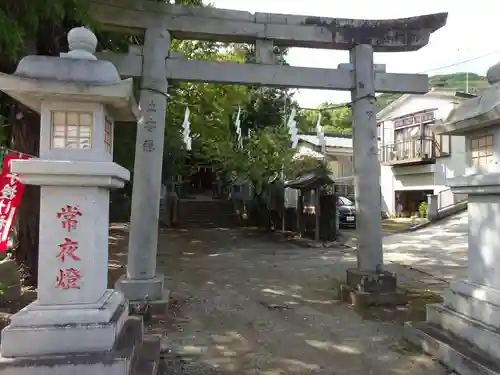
(309, 181)
(315, 202)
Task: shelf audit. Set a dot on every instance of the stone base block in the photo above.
(141, 289)
(125, 358)
(475, 301)
(365, 289)
(371, 282)
(363, 299)
(483, 336)
(150, 308)
(149, 357)
(25, 337)
(102, 311)
(452, 351)
(463, 331)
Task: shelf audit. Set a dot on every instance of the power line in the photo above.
(338, 106)
(349, 104)
(333, 107)
(461, 62)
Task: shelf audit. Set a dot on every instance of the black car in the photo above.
(347, 212)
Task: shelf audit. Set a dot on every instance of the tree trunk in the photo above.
(25, 138)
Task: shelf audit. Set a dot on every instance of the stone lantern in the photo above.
(79, 99)
(463, 331)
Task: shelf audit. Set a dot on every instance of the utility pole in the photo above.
(283, 209)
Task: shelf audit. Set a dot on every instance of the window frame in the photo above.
(108, 134)
(69, 130)
(487, 147)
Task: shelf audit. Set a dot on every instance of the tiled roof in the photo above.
(339, 142)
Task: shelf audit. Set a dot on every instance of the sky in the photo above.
(471, 33)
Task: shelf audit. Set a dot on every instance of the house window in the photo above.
(481, 150)
(71, 129)
(443, 144)
(108, 136)
(409, 142)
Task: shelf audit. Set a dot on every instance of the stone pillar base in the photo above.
(45, 330)
(364, 288)
(130, 355)
(462, 332)
(144, 294)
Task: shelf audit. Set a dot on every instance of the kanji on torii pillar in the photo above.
(160, 22)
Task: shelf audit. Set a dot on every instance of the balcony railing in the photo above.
(410, 152)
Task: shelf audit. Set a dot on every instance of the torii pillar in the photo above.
(141, 282)
(369, 283)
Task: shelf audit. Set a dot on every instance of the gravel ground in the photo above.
(246, 303)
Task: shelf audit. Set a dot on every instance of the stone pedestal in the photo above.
(72, 280)
(432, 206)
(76, 325)
(364, 289)
(463, 331)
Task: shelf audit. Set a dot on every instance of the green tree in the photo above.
(212, 106)
(333, 120)
(265, 106)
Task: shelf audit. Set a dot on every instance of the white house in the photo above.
(415, 162)
(338, 153)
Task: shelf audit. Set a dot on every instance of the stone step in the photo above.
(474, 308)
(474, 331)
(148, 357)
(450, 350)
(57, 334)
(118, 361)
(210, 214)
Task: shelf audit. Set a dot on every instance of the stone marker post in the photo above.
(463, 331)
(76, 323)
(432, 206)
(141, 280)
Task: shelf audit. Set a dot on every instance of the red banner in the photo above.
(11, 193)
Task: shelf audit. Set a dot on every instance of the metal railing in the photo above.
(412, 149)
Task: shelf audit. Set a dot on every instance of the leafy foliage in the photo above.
(23, 21)
(459, 81)
(333, 120)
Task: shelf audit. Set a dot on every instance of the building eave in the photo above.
(451, 95)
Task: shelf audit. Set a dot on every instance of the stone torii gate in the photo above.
(160, 22)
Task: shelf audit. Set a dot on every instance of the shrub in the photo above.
(422, 209)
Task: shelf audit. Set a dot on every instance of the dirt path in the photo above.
(248, 304)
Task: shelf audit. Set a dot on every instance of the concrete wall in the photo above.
(424, 177)
(387, 186)
(340, 163)
(341, 166)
